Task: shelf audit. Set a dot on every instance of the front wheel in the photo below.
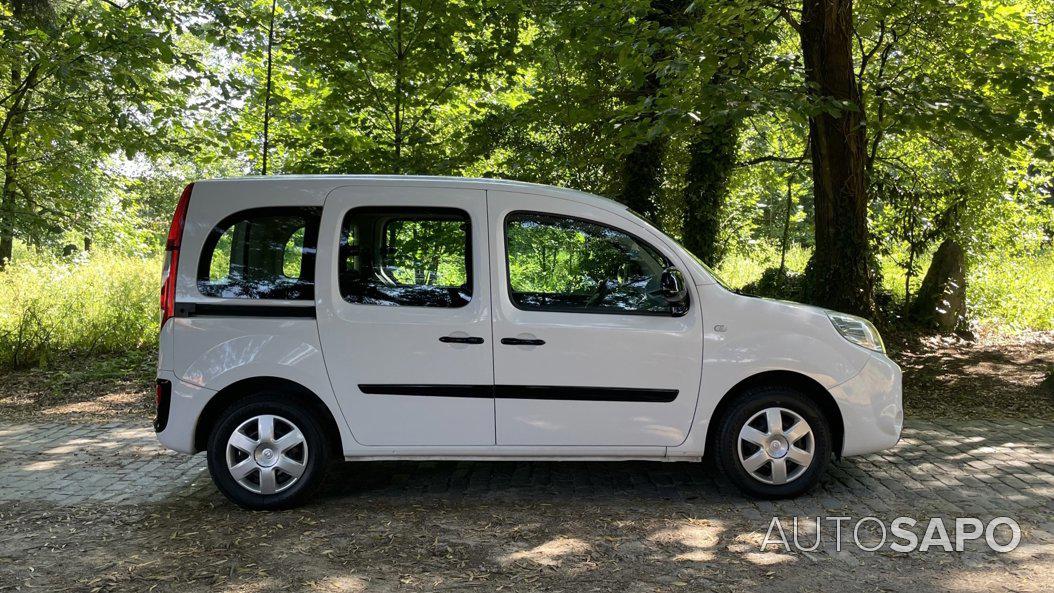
(774, 443)
(266, 453)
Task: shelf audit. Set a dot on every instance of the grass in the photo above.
(98, 303)
(1014, 293)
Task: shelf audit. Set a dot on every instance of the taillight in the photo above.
(169, 274)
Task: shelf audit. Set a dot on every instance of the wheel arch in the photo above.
(247, 387)
(807, 385)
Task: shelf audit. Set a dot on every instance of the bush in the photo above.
(101, 302)
(789, 286)
(740, 269)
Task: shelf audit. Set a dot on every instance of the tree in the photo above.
(269, 85)
(391, 85)
(840, 274)
(642, 165)
(84, 81)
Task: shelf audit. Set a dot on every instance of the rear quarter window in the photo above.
(262, 253)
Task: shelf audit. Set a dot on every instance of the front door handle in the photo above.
(461, 340)
(522, 342)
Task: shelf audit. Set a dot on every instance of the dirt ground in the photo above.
(367, 542)
(81, 389)
(1005, 377)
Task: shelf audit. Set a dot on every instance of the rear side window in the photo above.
(263, 253)
(418, 257)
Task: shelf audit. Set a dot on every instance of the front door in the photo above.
(405, 322)
(586, 352)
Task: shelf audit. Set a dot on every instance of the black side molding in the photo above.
(545, 392)
(589, 394)
(486, 391)
(225, 310)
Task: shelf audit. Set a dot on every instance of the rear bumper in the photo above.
(184, 408)
(872, 407)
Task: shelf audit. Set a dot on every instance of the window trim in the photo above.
(312, 216)
(588, 311)
(410, 213)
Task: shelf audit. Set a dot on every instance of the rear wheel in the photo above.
(774, 442)
(265, 452)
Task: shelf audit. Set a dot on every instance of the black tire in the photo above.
(315, 447)
(727, 443)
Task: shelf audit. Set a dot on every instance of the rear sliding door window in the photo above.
(263, 253)
(418, 257)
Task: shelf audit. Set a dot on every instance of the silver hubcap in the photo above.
(266, 454)
(776, 446)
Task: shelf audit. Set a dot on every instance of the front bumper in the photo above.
(872, 407)
(184, 408)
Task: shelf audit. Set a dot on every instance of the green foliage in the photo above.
(426, 252)
(745, 267)
(85, 82)
(102, 303)
(1004, 292)
(108, 110)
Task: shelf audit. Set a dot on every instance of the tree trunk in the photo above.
(641, 177)
(8, 207)
(840, 275)
(786, 225)
(7, 234)
(941, 301)
(712, 156)
(267, 92)
(400, 56)
(38, 13)
(642, 167)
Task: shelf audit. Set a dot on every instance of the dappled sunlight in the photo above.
(749, 547)
(551, 553)
(40, 466)
(701, 537)
(103, 405)
(337, 584)
(768, 558)
(255, 586)
(1028, 551)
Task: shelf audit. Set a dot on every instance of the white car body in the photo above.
(329, 348)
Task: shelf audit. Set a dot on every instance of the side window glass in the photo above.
(566, 264)
(418, 257)
(263, 253)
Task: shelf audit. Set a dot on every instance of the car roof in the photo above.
(429, 180)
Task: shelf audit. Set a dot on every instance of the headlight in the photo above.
(857, 330)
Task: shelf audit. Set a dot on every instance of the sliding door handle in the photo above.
(461, 340)
(522, 342)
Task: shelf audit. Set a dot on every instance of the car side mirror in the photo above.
(672, 287)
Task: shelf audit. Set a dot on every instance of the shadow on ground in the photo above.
(1008, 378)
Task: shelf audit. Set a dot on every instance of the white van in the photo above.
(374, 317)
